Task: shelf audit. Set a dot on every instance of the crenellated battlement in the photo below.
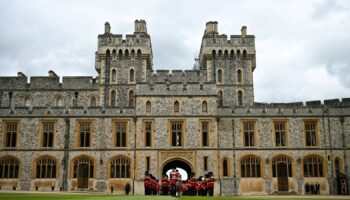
(313, 103)
(183, 76)
(50, 82)
(176, 89)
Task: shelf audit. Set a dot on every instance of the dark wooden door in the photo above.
(282, 177)
(83, 176)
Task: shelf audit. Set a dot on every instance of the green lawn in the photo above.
(66, 196)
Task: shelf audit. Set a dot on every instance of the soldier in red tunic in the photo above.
(192, 184)
(174, 177)
(165, 185)
(210, 184)
(147, 184)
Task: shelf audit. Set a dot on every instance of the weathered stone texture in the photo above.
(162, 88)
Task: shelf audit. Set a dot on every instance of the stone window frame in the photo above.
(341, 165)
(205, 163)
(10, 160)
(255, 134)
(283, 158)
(148, 163)
(144, 123)
(148, 107)
(183, 134)
(77, 131)
(177, 106)
(220, 76)
(131, 98)
(286, 131)
(41, 132)
(5, 124)
(86, 158)
(27, 101)
(113, 98)
(220, 98)
(56, 101)
(46, 157)
(133, 75)
(317, 130)
(204, 106)
(229, 168)
(128, 161)
(239, 76)
(208, 121)
(254, 161)
(96, 101)
(127, 132)
(320, 160)
(240, 97)
(113, 76)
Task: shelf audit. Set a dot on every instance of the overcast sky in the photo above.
(303, 47)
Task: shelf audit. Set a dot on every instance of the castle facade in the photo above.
(99, 134)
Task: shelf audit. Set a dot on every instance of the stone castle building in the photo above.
(99, 134)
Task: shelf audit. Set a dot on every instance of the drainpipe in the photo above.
(66, 155)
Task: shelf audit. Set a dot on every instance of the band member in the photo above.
(198, 186)
(173, 180)
(192, 184)
(147, 184)
(165, 185)
(210, 184)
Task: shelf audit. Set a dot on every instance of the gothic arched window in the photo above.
(250, 167)
(9, 167)
(120, 167)
(313, 166)
(46, 167)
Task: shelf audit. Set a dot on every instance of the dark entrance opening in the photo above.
(282, 177)
(177, 164)
(83, 175)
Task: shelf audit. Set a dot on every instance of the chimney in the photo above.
(107, 28)
(244, 31)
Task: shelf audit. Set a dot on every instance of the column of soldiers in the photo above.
(174, 185)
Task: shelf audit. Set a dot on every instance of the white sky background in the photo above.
(303, 47)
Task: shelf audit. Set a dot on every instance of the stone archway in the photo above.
(177, 163)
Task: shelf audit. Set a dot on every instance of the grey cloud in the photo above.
(38, 36)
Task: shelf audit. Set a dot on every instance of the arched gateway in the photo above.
(177, 162)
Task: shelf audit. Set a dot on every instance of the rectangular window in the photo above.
(48, 129)
(205, 133)
(148, 134)
(11, 133)
(148, 163)
(176, 133)
(84, 134)
(120, 134)
(310, 133)
(249, 130)
(280, 134)
(205, 164)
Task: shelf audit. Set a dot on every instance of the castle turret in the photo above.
(229, 62)
(140, 26)
(211, 27)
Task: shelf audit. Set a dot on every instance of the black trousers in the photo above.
(165, 191)
(147, 190)
(173, 190)
(211, 191)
